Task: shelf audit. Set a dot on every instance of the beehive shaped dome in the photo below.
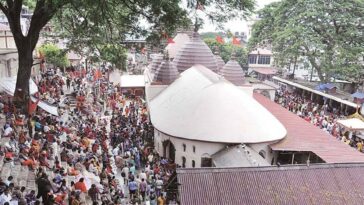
(179, 40)
(166, 72)
(195, 52)
(220, 62)
(233, 72)
(201, 105)
(156, 61)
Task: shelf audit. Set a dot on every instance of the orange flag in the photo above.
(236, 41)
(97, 74)
(219, 39)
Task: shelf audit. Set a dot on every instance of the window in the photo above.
(264, 60)
(206, 160)
(184, 147)
(252, 59)
(194, 149)
(183, 162)
(193, 163)
(262, 153)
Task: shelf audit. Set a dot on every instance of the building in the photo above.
(193, 120)
(314, 184)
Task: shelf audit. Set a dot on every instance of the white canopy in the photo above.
(46, 107)
(352, 124)
(201, 105)
(132, 81)
(8, 85)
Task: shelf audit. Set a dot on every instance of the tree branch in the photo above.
(4, 9)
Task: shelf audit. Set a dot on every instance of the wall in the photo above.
(6, 40)
(8, 64)
(265, 147)
(201, 148)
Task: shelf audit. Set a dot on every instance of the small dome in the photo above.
(166, 72)
(179, 40)
(220, 62)
(156, 61)
(233, 72)
(195, 52)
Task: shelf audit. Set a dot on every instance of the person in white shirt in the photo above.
(5, 197)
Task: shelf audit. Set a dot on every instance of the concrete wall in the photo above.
(269, 155)
(201, 148)
(8, 64)
(6, 40)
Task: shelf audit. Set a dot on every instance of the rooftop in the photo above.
(314, 184)
(201, 105)
(303, 136)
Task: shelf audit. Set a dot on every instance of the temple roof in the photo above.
(166, 72)
(201, 105)
(220, 62)
(156, 61)
(233, 72)
(195, 52)
(179, 40)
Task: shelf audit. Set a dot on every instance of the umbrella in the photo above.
(358, 95)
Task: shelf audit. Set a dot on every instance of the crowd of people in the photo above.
(98, 150)
(323, 116)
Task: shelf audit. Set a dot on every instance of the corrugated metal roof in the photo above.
(303, 136)
(316, 184)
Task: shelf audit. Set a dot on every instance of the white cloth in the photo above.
(5, 198)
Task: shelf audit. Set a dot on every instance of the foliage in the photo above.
(114, 54)
(218, 11)
(54, 55)
(89, 24)
(225, 50)
(328, 34)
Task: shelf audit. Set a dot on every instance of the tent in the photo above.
(47, 107)
(327, 86)
(353, 124)
(7, 84)
(358, 95)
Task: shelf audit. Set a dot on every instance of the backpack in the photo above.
(123, 174)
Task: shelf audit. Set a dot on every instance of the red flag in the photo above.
(236, 41)
(219, 39)
(32, 106)
(170, 40)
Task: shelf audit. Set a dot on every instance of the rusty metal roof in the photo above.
(303, 136)
(195, 52)
(314, 184)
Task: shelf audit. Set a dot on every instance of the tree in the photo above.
(54, 55)
(97, 22)
(225, 50)
(328, 34)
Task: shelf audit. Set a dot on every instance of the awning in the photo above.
(326, 86)
(8, 84)
(51, 109)
(132, 81)
(358, 95)
(265, 71)
(352, 124)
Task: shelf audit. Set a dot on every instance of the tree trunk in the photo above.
(318, 69)
(21, 95)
